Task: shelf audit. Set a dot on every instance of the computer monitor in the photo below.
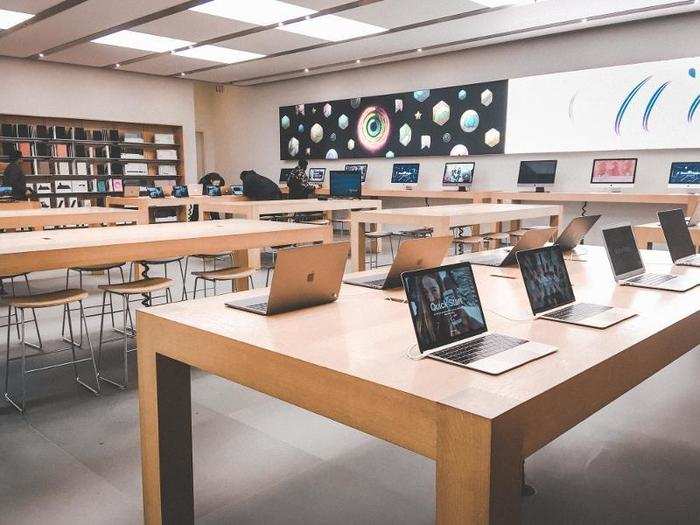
(537, 173)
(284, 174)
(459, 174)
(613, 173)
(213, 191)
(346, 184)
(362, 168)
(317, 174)
(685, 175)
(406, 174)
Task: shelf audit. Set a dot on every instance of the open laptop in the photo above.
(551, 295)
(680, 243)
(506, 256)
(305, 276)
(450, 325)
(575, 231)
(628, 268)
(413, 254)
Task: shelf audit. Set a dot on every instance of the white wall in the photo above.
(45, 89)
(247, 128)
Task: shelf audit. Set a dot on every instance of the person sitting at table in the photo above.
(14, 176)
(259, 188)
(298, 183)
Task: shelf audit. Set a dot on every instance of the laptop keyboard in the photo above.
(378, 283)
(259, 307)
(691, 260)
(577, 312)
(488, 260)
(651, 279)
(480, 348)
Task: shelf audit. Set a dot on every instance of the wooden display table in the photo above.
(145, 204)
(42, 217)
(648, 234)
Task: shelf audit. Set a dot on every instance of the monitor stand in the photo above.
(408, 188)
(463, 188)
(615, 190)
(540, 189)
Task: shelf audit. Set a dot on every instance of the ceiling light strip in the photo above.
(286, 75)
(43, 15)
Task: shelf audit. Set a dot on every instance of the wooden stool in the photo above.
(164, 263)
(375, 236)
(497, 237)
(47, 300)
(225, 274)
(141, 287)
(13, 294)
(205, 258)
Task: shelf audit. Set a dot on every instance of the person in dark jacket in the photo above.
(298, 183)
(14, 176)
(259, 188)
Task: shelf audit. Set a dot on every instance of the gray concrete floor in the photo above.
(74, 458)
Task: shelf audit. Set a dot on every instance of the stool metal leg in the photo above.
(7, 348)
(125, 315)
(36, 324)
(96, 390)
(73, 346)
(19, 405)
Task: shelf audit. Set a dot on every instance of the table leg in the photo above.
(241, 259)
(479, 470)
(166, 433)
(358, 243)
(182, 213)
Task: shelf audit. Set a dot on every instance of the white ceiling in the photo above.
(65, 36)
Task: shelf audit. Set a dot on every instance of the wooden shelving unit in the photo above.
(100, 157)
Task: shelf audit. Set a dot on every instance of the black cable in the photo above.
(583, 209)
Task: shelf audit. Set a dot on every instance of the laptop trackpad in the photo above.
(513, 358)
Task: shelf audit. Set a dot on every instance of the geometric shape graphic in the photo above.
(389, 154)
(459, 150)
(373, 128)
(343, 121)
(462, 95)
(425, 142)
(692, 72)
(333, 137)
(441, 113)
(418, 115)
(355, 103)
(693, 108)
(332, 155)
(487, 97)
(405, 135)
(469, 121)
(286, 122)
(316, 133)
(351, 144)
(300, 128)
(421, 95)
(327, 110)
(398, 105)
(492, 137)
(299, 108)
(446, 138)
(293, 146)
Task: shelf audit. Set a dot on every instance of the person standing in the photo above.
(14, 176)
(298, 183)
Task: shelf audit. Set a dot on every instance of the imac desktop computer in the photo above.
(317, 175)
(362, 168)
(345, 184)
(406, 174)
(685, 175)
(284, 175)
(537, 174)
(460, 174)
(613, 174)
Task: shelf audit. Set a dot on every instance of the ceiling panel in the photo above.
(82, 20)
(318, 5)
(167, 64)
(193, 26)
(397, 13)
(97, 55)
(268, 42)
(28, 6)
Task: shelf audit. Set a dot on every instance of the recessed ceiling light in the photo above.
(142, 41)
(260, 12)
(333, 28)
(306, 70)
(183, 74)
(41, 55)
(224, 55)
(117, 66)
(584, 20)
(358, 61)
(12, 18)
(419, 50)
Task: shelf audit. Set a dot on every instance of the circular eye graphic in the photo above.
(373, 128)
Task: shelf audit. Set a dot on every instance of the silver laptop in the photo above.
(628, 268)
(506, 256)
(306, 276)
(575, 231)
(413, 254)
(552, 297)
(680, 243)
(450, 325)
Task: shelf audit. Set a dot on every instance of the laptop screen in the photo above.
(680, 244)
(444, 304)
(622, 250)
(546, 279)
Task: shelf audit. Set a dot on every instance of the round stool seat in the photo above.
(98, 267)
(210, 255)
(162, 261)
(379, 235)
(142, 286)
(226, 274)
(500, 236)
(474, 239)
(46, 300)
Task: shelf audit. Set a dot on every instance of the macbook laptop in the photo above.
(306, 276)
(413, 254)
(450, 325)
(628, 268)
(132, 191)
(551, 295)
(506, 256)
(194, 190)
(575, 231)
(155, 192)
(680, 244)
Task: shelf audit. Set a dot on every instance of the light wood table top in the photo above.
(48, 250)
(253, 209)
(597, 196)
(41, 217)
(145, 204)
(442, 218)
(347, 361)
(648, 234)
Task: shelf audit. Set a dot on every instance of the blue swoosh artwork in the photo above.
(650, 105)
(626, 103)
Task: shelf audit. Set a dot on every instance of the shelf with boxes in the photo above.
(69, 161)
